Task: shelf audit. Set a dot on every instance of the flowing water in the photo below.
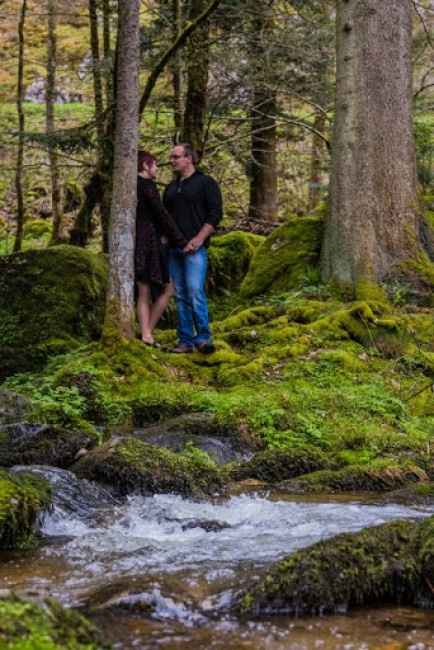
(160, 571)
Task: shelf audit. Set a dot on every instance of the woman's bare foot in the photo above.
(148, 340)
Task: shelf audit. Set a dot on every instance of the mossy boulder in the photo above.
(284, 258)
(386, 564)
(22, 499)
(27, 626)
(13, 407)
(229, 259)
(49, 299)
(377, 476)
(131, 465)
(36, 444)
(273, 465)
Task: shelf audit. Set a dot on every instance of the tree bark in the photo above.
(108, 63)
(263, 163)
(374, 222)
(21, 124)
(316, 160)
(50, 101)
(197, 66)
(119, 318)
(177, 69)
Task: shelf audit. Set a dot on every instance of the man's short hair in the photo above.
(189, 151)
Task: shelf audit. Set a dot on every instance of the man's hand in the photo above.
(193, 245)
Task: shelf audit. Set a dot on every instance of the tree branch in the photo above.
(165, 58)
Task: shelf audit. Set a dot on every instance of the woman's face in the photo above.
(152, 169)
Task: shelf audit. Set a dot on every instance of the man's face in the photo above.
(180, 162)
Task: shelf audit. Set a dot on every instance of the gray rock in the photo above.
(13, 407)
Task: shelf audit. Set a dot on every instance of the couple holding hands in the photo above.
(172, 237)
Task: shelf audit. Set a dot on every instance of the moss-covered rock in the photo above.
(274, 465)
(229, 259)
(13, 407)
(27, 626)
(387, 564)
(284, 258)
(22, 499)
(130, 466)
(48, 299)
(378, 476)
(32, 444)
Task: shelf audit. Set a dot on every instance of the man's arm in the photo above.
(214, 205)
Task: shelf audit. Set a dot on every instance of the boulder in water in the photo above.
(392, 563)
(274, 465)
(22, 499)
(130, 465)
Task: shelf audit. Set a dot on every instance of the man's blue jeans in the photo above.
(188, 272)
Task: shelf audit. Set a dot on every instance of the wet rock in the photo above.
(208, 526)
(13, 407)
(70, 495)
(22, 500)
(130, 465)
(420, 494)
(274, 465)
(25, 624)
(388, 564)
(33, 444)
(378, 476)
(221, 451)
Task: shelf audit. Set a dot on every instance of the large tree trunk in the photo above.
(21, 124)
(263, 163)
(50, 101)
(197, 65)
(119, 318)
(374, 221)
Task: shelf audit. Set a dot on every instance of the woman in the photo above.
(154, 228)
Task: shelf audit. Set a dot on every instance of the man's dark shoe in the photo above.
(206, 348)
(182, 348)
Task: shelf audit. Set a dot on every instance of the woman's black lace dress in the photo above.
(153, 223)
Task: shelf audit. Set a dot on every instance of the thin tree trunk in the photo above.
(197, 65)
(263, 168)
(120, 298)
(21, 125)
(108, 64)
(316, 161)
(96, 73)
(177, 72)
(374, 223)
(50, 101)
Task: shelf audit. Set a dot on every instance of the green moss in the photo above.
(387, 564)
(378, 476)
(22, 499)
(134, 466)
(284, 258)
(273, 465)
(26, 626)
(45, 295)
(229, 260)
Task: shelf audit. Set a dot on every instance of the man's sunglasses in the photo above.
(175, 156)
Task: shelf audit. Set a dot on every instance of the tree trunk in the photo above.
(108, 63)
(316, 160)
(374, 223)
(197, 66)
(177, 72)
(120, 297)
(21, 125)
(263, 164)
(50, 101)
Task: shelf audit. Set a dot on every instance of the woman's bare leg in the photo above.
(160, 305)
(144, 308)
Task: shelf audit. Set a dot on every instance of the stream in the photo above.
(160, 571)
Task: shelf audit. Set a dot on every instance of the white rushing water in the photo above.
(166, 533)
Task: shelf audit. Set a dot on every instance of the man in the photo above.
(194, 200)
